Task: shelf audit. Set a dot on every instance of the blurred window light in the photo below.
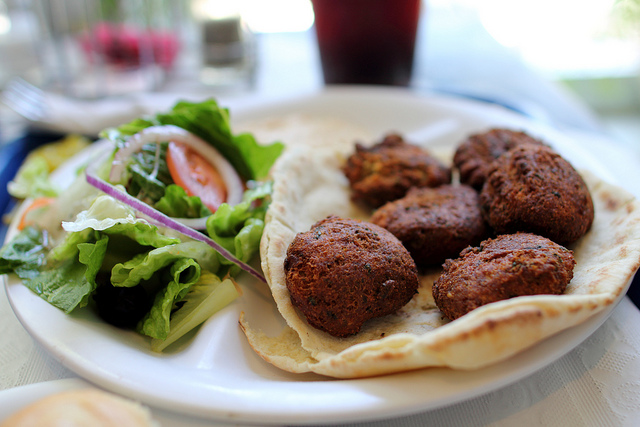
(273, 16)
(5, 22)
(277, 16)
(567, 37)
(214, 9)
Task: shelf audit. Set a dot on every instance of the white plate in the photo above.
(216, 375)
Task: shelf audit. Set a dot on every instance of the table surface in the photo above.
(598, 383)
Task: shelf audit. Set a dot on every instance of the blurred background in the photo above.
(542, 58)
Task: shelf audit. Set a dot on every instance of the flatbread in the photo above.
(82, 407)
(309, 185)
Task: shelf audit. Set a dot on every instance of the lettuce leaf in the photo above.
(144, 266)
(211, 123)
(32, 180)
(184, 273)
(104, 212)
(208, 296)
(111, 217)
(66, 283)
(177, 204)
(25, 253)
(239, 228)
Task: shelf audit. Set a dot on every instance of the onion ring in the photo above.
(165, 133)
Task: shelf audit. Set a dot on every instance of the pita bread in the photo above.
(82, 407)
(309, 185)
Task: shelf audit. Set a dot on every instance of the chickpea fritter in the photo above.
(534, 189)
(474, 156)
(386, 170)
(434, 223)
(343, 272)
(508, 266)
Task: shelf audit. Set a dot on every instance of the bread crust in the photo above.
(82, 407)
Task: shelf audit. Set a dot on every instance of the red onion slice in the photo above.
(166, 133)
(160, 218)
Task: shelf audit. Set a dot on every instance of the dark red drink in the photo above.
(366, 41)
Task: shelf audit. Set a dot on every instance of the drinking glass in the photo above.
(366, 41)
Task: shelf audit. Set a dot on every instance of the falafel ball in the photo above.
(532, 188)
(474, 156)
(343, 272)
(386, 170)
(434, 223)
(507, 266)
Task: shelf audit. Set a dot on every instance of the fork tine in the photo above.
(24, 98)
(26, 91)
(21, 106)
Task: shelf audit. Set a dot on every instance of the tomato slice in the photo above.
(196, 175)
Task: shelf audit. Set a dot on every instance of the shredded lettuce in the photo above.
(149, 173)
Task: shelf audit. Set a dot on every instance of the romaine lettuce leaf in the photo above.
(25, 253)
(208, 296)
(211, 123)
(68, 248)
(104, 212)
(177, 204)
(65, 283)
(143, 266)
(239, 228)
(110, 216)
(32, 180)
(184, 273)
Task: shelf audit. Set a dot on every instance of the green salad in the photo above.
(92, 248)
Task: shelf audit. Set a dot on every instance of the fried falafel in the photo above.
(474, 156)
(343, 272)
(434, 223)
(386, 170)
(533, 188)
(507, 266)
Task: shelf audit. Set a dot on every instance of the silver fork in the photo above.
(24, 98)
